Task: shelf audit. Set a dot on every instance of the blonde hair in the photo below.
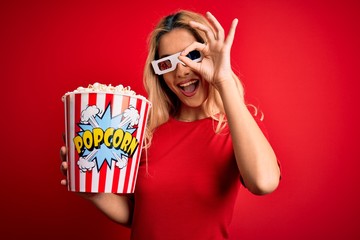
(164, 103)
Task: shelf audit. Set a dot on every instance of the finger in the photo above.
(63, 182)
(195, 45)
(231, 35)
(220, 33)
(208, 31)
(201, 47)
(188, 62)
(63, 152)
(64, 167)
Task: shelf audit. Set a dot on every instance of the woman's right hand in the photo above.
(64, 168)
(118, 208)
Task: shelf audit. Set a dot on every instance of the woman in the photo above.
(201, 141)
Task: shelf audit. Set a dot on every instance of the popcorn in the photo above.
(103, 88)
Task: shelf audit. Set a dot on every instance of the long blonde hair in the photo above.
(164, 103)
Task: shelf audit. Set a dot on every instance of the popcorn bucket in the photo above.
(104, 135)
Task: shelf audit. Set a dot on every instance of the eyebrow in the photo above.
(166, 55)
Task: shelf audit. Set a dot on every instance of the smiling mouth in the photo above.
(189, 88)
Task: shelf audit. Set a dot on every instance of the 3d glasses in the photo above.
(169, 63)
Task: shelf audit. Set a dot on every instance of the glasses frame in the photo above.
(174, 59)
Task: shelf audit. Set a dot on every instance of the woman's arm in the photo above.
(118, 208)
(255, 157)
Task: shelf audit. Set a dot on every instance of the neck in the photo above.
(188, 114)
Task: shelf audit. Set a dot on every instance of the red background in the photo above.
(299, 61)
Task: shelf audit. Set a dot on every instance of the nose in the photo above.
(182, 70)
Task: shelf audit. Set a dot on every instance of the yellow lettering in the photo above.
(112, 138)
(98, 137)
(117, 138)
(108, 137)
(78, 142)
(132, 147)
(126, 141)
(88, 139)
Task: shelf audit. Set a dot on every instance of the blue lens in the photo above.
(194, 55)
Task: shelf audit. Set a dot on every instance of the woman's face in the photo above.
(186, 84)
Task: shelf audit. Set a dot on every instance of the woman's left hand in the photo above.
(215, 66)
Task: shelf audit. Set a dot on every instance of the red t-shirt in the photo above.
(190, 187)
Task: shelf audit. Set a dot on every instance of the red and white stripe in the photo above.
(107, 179)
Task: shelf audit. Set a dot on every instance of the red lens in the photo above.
(164, 65)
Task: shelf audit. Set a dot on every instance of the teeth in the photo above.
(188, 83)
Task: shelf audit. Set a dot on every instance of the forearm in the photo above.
(255, 157)
(118, 208)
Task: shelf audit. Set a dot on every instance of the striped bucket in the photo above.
(104, 135)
